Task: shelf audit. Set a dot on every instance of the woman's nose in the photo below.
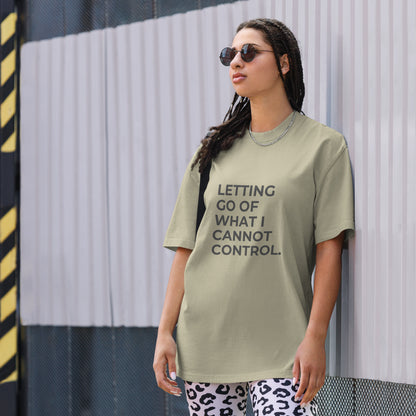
(236, 61)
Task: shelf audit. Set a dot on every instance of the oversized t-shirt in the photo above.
(248, 292)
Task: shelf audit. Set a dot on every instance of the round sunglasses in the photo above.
(248, 52)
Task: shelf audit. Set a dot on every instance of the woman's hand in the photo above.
(309, 368)
(310, 362)
(165, 353)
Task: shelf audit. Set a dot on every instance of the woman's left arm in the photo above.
(310, 361)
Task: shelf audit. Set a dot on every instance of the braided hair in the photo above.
(238, 117)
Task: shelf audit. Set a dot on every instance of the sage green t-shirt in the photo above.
(248, 291)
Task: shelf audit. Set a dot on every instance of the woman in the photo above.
(278, 202)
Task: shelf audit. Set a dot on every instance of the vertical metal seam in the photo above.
(107, 176)
(158, 208)
(378, 225)
(390, 189)
(405, 66)
(107, 169)
(365, 166)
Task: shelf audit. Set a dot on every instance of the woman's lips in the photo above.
(238, 77)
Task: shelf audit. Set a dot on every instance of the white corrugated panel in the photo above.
(103, 157)
(64, 237)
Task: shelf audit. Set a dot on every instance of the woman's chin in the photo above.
(241, 92)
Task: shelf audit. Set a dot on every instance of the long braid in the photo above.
(222, 137)
(294, 85)
(238, 116)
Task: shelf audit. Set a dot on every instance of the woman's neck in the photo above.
(266, 114)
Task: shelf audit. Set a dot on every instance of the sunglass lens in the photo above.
(226, 56)
(248, 52)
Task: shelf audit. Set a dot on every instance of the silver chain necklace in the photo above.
(292, 120)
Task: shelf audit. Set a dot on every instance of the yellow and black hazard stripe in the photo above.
(8, 195)
(8, 293)
(8, 83)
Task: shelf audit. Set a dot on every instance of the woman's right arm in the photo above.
(165, 351)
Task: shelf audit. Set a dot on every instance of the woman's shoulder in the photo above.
(322, 137)
(323, 144)
(320, 131)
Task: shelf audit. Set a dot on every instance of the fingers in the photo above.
(166, 384)
(310, 384)
(296, 371)
(165, 354)
(303, 385)
(310, 363)
(172, 367)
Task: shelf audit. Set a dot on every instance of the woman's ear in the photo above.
(284, 64)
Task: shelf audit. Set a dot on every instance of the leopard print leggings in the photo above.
(274, 397)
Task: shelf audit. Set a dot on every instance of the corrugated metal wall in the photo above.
(382, 131)
(64, 213)
(110, 119)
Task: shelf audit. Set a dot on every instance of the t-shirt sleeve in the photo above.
(182, 227)
(334, 201)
